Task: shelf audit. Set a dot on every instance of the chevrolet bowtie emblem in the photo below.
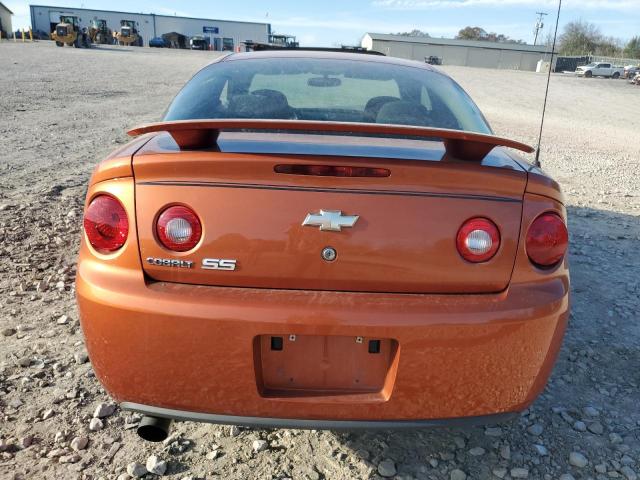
(330, 220)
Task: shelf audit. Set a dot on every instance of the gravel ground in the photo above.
(62, 110)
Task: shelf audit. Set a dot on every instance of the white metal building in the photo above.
(514, 56)
(5, 21)
(220, 32)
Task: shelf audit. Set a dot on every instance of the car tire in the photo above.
(616, 75)
(59, 44)
(588, 74)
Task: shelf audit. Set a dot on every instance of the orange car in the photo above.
(322, 240)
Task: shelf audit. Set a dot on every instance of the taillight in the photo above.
(178, 228)
(106, 224)
(478, 240)
(547, 240)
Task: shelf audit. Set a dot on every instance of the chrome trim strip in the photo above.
(175, 183)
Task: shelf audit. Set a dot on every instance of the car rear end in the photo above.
(310, 280)
(581, 71)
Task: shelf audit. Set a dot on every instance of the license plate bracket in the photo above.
(289, 365)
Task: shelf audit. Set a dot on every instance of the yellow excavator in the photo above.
(68, 32)
(99, 32)
(128, 34)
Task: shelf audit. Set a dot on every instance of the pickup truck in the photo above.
(599, 70)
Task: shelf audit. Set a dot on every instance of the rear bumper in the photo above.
(191, 349)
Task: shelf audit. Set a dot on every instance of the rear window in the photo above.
(323, 89)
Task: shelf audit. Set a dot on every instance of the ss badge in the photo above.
(219, 264)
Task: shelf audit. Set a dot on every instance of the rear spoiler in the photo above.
(460, 145)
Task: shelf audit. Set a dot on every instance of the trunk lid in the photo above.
(404, 239)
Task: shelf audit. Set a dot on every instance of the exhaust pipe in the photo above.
(154, 429)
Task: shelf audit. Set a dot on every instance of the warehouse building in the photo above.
(469, 53)
(222, 34)
(5, 21)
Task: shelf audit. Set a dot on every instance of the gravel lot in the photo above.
(61, 110)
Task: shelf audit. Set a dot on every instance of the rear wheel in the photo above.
(588, 74)
(616, 75)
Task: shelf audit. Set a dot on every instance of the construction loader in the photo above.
(68, 32)
(99, 32)
(128, 34)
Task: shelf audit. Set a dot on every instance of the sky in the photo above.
(334, 22)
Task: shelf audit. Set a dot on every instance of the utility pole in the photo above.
(539, 25)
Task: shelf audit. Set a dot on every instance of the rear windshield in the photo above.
(339, 90)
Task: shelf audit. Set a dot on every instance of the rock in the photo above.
(535, 429)
(580, 426)
(387, 468)
(104, 410)
(459, 441)
(72, 458)
(47, 414)
(578, 460)
(566, 476)
(493, 432)
(234, 430)
(615, 438)
(363, 454)
(519, 472)
(541, 450)
(7, 332)
(447, 456)
(457, 474)
(26, 441)
(628, 473)
(601, 468)
(4, 445)
(56, 452)
(62, 320)
(500, 472)
(136, 470)
(24, 362)
(476, 451)
(156, 466)
(260, 445)
(81, 357)
(213, 455)
(590, 411)
(596, 428)
(96, 424)
(505, 452)
(15, 403)
(79, 443)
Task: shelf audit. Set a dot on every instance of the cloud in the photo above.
(577, 4)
